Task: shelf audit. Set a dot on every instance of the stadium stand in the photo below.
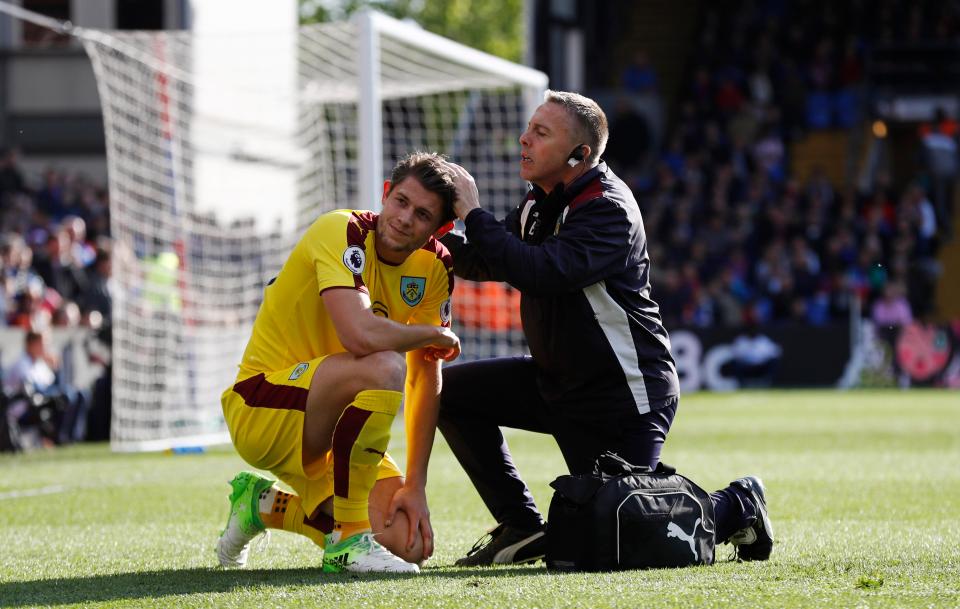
(55, 251)
(749, 209)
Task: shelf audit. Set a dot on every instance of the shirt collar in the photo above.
(575, 187)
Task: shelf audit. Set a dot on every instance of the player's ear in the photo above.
(386, 189)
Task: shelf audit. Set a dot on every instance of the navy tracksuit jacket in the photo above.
(579, 258)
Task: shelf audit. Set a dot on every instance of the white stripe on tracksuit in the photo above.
(616, 327)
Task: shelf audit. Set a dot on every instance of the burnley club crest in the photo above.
(412, 289)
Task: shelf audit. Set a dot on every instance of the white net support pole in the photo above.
(370, 125)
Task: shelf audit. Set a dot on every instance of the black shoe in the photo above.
(756, 541)
(505, 545)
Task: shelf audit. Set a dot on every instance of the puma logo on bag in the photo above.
(674, 530)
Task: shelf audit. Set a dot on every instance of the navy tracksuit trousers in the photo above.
(480, 397)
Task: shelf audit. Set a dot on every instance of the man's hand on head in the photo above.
(468, 197)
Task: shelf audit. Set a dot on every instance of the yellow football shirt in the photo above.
(338, 251)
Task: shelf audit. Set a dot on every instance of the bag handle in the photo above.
(611, 464)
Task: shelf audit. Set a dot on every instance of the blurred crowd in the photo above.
(735, 237)
(55, 250)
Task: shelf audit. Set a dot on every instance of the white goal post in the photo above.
(219, 159)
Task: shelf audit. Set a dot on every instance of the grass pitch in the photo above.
(863, 487)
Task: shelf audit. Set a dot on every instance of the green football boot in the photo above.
(361, 553)
(244, 523)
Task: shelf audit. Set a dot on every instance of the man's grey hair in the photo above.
(589, 121)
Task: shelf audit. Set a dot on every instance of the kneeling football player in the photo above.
(357, 318)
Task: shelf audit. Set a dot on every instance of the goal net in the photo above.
(223, 148)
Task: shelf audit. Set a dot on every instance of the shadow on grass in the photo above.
(157, 584)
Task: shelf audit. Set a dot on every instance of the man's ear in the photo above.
(386, 189)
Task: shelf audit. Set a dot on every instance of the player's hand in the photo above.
(432, 354)
(413, 501)
(468, 197)
(445, 347)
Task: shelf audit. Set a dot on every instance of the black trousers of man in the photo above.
(480, 397)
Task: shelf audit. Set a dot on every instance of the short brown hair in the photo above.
(430, 169)
(590, 122)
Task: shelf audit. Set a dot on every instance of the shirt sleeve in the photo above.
(334, 247)
(593, 243)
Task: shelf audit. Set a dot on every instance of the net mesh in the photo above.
(189, 276)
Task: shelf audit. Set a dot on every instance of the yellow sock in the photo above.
(359, 443)
(315, 529)
(282, 510)
(347, 529)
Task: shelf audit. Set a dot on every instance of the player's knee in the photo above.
(394, 538)
(414, 554)
(386, 370)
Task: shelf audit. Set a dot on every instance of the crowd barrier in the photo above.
(809, 356)
(915, 355)
(833, 355)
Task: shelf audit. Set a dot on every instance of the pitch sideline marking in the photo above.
(33, 492)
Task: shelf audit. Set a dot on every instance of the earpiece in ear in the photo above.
(576, 157)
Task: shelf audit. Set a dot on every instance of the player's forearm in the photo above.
(421, 409)
(377, 333)
(361, 332)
